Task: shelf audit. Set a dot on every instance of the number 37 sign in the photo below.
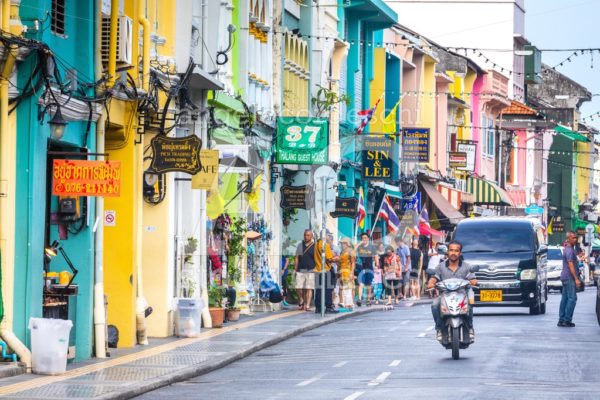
(302, 140)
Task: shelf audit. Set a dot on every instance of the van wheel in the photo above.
(536, 309)
(543, 308)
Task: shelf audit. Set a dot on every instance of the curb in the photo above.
(9, 369)
(220, 362)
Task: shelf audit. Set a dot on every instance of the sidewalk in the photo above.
(135, 371)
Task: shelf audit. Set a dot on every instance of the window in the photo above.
(483, 134)
(57, 22)
(490, 137)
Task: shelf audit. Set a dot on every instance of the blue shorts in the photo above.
(366, 277)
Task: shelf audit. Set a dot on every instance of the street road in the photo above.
(394, 355)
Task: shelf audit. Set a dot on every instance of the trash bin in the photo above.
(49, 345)
(187, 323)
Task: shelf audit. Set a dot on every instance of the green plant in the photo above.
(324, 99)
(191, 245)
(235, 248)
(289, 215)
(190, 287)
(215, 296)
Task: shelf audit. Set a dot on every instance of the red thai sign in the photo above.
(86, 178)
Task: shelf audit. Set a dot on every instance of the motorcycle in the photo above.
(455, 297)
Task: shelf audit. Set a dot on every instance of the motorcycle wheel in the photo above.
(455, 343)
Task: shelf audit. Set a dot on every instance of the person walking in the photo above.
(327, 279)
(369, 260)
(391, 273)
(305, 265)
(404, 253)
(285, 262)
(346, 265)
(570, 282)
(416, 260)
(336, 253)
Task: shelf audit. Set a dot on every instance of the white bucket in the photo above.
(49, 345)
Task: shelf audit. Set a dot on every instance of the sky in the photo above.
(569, 24)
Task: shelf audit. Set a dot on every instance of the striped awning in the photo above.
(518, 197)
(486, 192)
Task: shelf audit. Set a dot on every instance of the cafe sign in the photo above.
(296, 197)
(345, 207)
(302, 140)
(378, 157)
(72, 178)
(176, 154)
(205, 178)
(415, 144)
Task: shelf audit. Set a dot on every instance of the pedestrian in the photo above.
(305, 265)
(416, 260)
(403, 252)
(391, 274)
(336, 253)
(368, 259)
(285, 262)
(378, 281)
(347, 264)
(570, 282)
(327, 279)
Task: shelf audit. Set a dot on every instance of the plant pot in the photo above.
(233, 314)
(217, 315)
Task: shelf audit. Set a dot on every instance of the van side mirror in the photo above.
(543, 249)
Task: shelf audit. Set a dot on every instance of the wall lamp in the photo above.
(57, 125)
(52, 251)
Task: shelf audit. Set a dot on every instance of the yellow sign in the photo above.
(210, 168)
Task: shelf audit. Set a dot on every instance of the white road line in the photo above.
(311, 380)
(422, 334)
(395, 363)
(394, 329)
(340, 364)
(404, 322)
(354, 396)
(430, 328)
(380, 379)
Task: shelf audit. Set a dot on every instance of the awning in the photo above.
(518, 197)
(454, 196)
(441, 203)
(425, 229)
(202, 80)
(581, 224)
(390, 190)
(573, 135)
(486, 192)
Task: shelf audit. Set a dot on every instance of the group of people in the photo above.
(365, 273)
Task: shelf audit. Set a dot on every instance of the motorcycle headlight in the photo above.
(529, 275)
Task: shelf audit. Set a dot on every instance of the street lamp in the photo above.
(57, 125)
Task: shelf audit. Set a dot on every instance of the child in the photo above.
(377, 285)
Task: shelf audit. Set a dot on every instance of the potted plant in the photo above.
(215, 305)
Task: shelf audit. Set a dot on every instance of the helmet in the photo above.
(442, 249)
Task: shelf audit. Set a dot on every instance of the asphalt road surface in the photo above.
(394, 355)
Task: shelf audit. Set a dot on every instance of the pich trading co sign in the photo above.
(415, 144)
(176, 154)
(301, 140)
(378, 157)
(296, 197)
(86, 178)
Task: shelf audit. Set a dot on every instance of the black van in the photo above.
(511, 253)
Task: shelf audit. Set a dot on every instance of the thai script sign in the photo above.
(470, 148)
(457, 159)
(86, 178)
(296, 197)
(176, 154)
(415, 144)
(378, 154)
(301, 140)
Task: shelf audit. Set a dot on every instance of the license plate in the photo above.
(490, 295)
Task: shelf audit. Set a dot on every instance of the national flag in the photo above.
(389, 122)
(254, 196)
(387, 213)
(549, 230)
(365, 116)
(362, 212)
(424, 217)
(215, 204)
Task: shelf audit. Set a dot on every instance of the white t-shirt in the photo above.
(435, 260)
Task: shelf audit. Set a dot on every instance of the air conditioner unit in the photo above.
(124, 42)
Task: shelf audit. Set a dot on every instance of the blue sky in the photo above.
(569, 24)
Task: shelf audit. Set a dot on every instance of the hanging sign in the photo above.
(470, 149)
(558, 226)
(176, 154)
(205, 178)
(296, 197)
(415, 144)
(86, 178)
(457, 159)
(302, 140)
(345, 207)
(378, 157)
(412, 203)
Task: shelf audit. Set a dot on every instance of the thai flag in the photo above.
(362, 212)
(365, 117)
(424, 217)
(387, 213)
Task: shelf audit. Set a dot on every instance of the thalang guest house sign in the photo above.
(296, 197)
(415, 144)
(176, 154)
(205, 178)
(86, 178)
(301, 140)
(378, 157)
(345, 207)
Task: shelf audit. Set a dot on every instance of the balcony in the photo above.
(495, 90)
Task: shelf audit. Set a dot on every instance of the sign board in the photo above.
(412, 203)
(110, 218)
(176, 154)
(86, 178)
(345, 207)
(534, 209)
(470, 148)
(296, 197)
(558, 226)
(378, 157)
(302, 140)
(205, 178)
(457, 159)
(415, 144)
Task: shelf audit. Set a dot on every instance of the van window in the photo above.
(495, 237)
(554, 254)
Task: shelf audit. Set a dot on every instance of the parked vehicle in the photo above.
(454, 310)
(554, 267)
(597, 279)
(514, 253)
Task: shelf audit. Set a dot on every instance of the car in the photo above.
(511, 254)
(554, 267)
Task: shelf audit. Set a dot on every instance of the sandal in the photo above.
(301, 307)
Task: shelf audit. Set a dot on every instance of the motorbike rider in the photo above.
(453, 267)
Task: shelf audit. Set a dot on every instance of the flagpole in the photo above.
(376, 218)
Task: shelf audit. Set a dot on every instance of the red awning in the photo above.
(518, 196)
(429, 231)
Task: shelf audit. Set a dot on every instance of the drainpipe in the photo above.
(112, 54)
(7, 200)
(99, 310)
(141, 303)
